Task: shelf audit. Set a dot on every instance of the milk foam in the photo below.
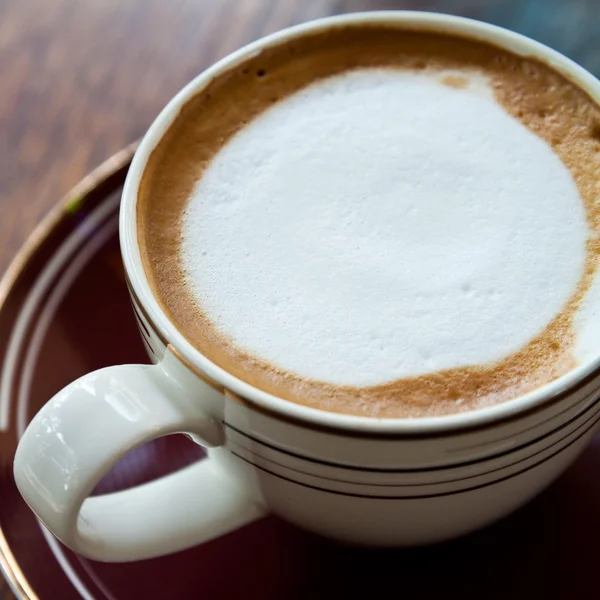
(380, 224)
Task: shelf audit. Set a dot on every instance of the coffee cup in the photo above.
(370, 479)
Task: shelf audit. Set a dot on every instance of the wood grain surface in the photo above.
(80, 79)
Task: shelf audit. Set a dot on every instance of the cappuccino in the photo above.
(378, 221)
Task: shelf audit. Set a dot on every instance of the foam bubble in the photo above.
(382, 224)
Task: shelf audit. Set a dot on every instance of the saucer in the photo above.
(64, 311)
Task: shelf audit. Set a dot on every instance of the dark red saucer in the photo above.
(64, 311)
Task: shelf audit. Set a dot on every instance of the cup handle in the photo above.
(86, 428)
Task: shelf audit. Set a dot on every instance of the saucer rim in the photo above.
(71, 202)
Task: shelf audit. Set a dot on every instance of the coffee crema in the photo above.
(378, 221)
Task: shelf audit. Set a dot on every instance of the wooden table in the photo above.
(81, 79)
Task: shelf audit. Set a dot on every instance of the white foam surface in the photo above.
(380, 224)
(587, 324)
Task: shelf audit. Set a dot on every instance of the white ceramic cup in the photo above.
(361, 480)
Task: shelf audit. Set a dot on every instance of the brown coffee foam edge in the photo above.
(545, 100)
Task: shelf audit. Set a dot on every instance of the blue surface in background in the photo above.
(569, 26)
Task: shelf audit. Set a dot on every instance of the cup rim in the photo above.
(285, 409)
